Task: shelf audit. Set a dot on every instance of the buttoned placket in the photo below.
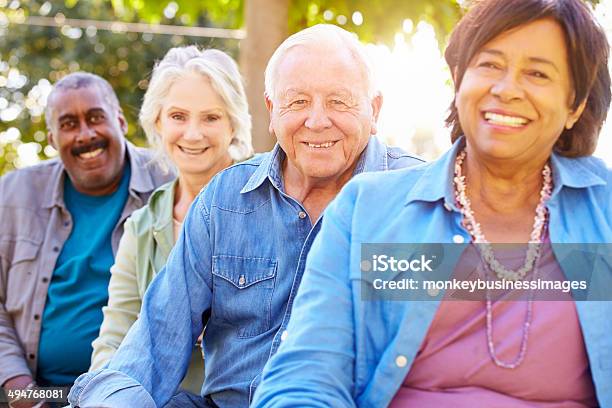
(282, 332)
(61, 220)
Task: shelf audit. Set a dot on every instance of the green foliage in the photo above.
(381, 19)
(48, 53)
(126, 59)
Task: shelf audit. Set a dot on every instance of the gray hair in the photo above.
(78, 80)
(315, 35)
(225, 79)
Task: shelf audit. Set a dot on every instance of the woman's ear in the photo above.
(574, 115)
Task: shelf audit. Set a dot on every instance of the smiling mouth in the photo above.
(505, 120)
(92, 154)
(325, 145)
(192, 151)
(90, 151)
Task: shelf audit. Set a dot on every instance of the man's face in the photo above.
(88, 132)
(320, 113)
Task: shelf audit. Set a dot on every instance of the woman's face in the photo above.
(194, 126)
(516, 95)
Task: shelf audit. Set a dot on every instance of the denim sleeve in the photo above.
(315, 364)
(156, 351)
(109, 389)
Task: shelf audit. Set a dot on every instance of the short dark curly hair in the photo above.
(587, 47)
(78, 80)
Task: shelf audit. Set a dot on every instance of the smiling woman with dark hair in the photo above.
(532, 90)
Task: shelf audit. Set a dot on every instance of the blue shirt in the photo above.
(235, 268)
(78, 288)
(342, 351)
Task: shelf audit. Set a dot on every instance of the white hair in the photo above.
(316, 35)
(225, 79)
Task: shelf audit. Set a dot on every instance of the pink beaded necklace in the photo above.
(486, 251)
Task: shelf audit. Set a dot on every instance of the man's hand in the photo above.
(18, 383)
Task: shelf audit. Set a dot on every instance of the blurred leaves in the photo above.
(377, 21)
(29, 54)
(32, 57)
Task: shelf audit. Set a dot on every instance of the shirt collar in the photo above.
(373, 158)
(140, 181)
(161, 205)
(573, 172)
(269, 168)
(436, 181)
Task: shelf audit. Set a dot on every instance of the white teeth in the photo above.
(192, 151)
(92, 154)
(322, 145)
(504, 120)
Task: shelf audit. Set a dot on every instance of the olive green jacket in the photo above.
(146, 243)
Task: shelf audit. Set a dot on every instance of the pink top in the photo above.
(453, 367)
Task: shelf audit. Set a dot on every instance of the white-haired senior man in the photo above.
(240, 257)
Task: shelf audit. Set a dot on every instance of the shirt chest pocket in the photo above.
(242, 292)
(21, 276)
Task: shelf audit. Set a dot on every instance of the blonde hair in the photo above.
(225, 79)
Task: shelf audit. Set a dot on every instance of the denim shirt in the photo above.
(235, 269)
(342, 351)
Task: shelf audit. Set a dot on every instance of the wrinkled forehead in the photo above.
(328, 68)
(72, 100)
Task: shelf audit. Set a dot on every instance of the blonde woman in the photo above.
(195, 116)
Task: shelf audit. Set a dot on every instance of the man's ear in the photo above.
(269, 104)
(270, 107)
(50, 140)
(122, 122)
(376, 102)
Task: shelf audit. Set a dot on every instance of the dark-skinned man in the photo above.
(60, 225)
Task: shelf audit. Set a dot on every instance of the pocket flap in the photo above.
(25, 251)
(243, 272)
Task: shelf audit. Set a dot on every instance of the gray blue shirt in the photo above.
(84, 262)
(34, 226)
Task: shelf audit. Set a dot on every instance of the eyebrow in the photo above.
(66, 116)
(216, 109)
(91, 111)
(342, 91)
(95, 110)
(291, 92)
(538, 60)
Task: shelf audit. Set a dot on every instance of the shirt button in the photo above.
(31, 356)
(433, 292)
(401, 361)
(55, 249)
(45, 279)
(242, 280)
(458, 239)
(36, 317)
(302, 215)
(66, 223)
(284, 335)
